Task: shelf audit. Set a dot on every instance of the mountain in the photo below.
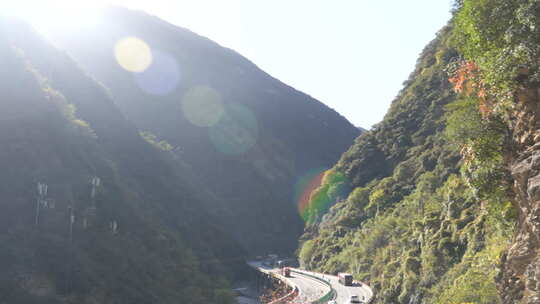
(93, 212)
(501, 47)
(408, 208)
(243, 137)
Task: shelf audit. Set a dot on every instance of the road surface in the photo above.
(312, 289)
(344, 293)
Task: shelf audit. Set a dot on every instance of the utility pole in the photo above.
(88, 212)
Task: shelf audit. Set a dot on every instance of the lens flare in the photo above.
(236, 132)
(305, 187)
(202, 106)
(317, 191)
(162, 77)
(133, 54)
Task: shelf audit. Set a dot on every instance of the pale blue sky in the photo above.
(353, 55)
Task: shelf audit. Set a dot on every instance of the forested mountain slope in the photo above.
(246, 137)
(500, 41)
(91, 212)
(408, 217)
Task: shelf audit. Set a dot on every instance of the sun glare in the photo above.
(65, 15)
(133, 54)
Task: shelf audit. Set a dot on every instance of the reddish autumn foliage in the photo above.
(467, 80)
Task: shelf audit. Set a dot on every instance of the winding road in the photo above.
(312, 289)
(344, 293)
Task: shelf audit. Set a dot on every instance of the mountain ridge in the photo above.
(283, 126)
(62, 130)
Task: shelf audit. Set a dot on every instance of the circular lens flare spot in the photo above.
(202, 106)
(236, 132)
(133, 54)
(162, 77)
(318, 190)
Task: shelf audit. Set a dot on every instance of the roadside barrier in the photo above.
(288, 297)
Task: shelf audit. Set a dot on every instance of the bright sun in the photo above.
(47, 15)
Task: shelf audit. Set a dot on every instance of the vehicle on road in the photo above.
(345, 278)
(286, 272)
(354, 300)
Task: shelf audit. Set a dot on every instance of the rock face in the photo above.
(519, 281)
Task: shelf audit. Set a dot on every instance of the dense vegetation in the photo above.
(429, 214)
(500, 39)
(248, 145)
(131, 192)
(423, 204)
(117, 223)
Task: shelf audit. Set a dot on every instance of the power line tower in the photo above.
(96, 182)
(41, 200)
(70, 248)
(89, 212)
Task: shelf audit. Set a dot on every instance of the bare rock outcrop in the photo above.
(519, 279)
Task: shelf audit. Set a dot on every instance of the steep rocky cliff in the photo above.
(520, 266)
(502, 39)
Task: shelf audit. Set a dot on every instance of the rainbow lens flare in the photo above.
(317, 191)
(304, 188)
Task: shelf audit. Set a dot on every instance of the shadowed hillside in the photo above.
(243, 136)
(91, 212)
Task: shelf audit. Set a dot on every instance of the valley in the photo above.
(145, 163)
